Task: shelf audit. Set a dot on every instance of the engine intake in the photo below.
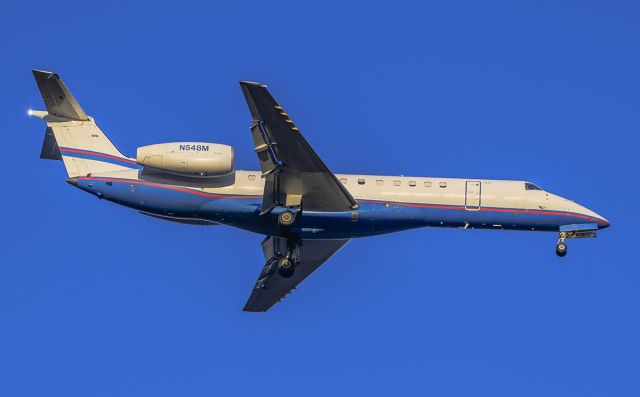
(192, 159)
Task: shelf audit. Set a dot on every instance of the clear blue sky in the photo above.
(96, 300)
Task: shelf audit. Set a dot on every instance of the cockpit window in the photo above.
(530, 186)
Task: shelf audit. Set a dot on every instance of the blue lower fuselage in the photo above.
(373, 217)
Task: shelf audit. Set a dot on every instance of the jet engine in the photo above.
(188, 159)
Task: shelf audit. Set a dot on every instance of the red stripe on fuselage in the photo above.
(160, 185)
(488, 209)
(399, 203)
(92, 153)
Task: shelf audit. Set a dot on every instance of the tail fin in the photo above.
(71, 135)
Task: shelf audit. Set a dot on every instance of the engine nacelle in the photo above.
(192, 159)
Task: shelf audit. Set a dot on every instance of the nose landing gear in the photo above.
(573, 231)
(561, 248)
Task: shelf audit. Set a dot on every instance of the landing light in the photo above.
(30, 112)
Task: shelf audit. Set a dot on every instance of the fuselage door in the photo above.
(472, 195)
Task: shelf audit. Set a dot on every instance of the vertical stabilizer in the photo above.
(72, 136)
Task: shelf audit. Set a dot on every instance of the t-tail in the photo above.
(72, 136)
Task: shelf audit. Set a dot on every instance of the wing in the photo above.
(293, 171)
(270, 286)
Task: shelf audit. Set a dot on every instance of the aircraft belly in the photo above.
(372, 217)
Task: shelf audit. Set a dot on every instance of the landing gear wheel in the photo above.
(286, 268)
(286, 218)
(561, 249)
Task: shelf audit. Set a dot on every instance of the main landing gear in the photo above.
(286, 257)
(286, 218)
(286, 267)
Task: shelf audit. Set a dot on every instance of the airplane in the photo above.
(306, 212)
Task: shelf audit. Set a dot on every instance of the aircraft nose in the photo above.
(600, 220)
(603, 223)
(586, 213)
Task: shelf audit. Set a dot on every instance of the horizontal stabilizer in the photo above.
(50, 150)
(57, 98)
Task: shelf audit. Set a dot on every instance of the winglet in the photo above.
(57, 98)
(252, 92)
(253, 83)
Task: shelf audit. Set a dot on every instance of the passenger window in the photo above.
(396, 183)
(360, 181)
(109, 183)
(379, 182)
(343, 180)
(252, 177)
(443, 184)
(412, 183)
(530, 186)
(427, 184)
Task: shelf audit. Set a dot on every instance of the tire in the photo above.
(286, 218)
(561, 249)
(286, 268)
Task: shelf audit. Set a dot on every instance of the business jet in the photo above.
(306, 212)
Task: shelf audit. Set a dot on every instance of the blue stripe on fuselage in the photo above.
(373, 217)
(97, 156)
